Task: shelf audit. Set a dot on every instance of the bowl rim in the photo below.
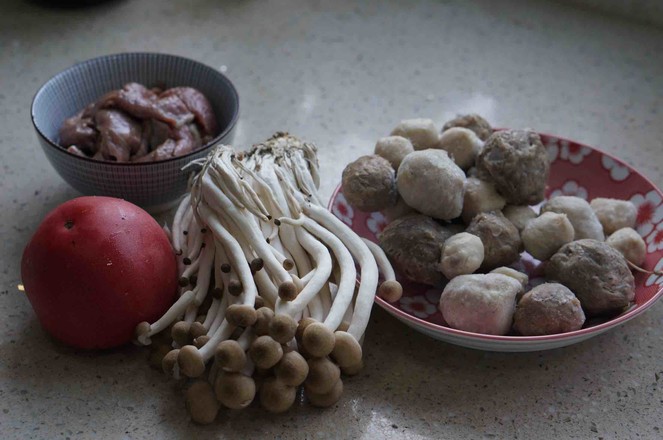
(629, 314)
(230, 126)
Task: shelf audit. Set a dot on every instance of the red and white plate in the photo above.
(577, 170)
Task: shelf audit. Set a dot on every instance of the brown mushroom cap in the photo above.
(230, 356)
(347, 351)
(235, 287)
(190, 361)
(352, 370)
(287, 291)
(200, 341)
(282, 328)
(288, 264)
(303, 323)
(234, 390)
(241, 315)
(180, 333)
(197, 329)
(141, 333)
(292, 369)
(265, 352)
(264, 316)
(275, 396)
(327, 399)
(259, 302)
(318, 340)
(322, 375)
(390, 291)
(201, 402)
(157, 353)
(170, 361)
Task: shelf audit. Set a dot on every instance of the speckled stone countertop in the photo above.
(342, 74)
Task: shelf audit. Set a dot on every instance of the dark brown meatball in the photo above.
(369, 184)
(548, 309)
(597, 273)
(500, 238)
(517, 163)
(414, 245)
(473, 122)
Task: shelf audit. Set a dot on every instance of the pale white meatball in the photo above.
(519, 215)
(462, 254)
(630, 244)
(431, 183)
(394, 149)
(480, 196)
(480, 303)
(521, 277)
(421, 132)
(544, 235)
(462, 144)
(580, 214)
(614, 214)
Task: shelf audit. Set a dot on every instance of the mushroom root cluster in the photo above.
(269, 300)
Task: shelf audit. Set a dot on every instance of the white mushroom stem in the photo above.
(361, 253)
(348, 273)
(196, 240)
(322, 260)
(173, 313)
(247, 227)
(211, 314)
(233, 250)
(220, 314)
(222, 333)
(184, 205)
(381, 259)
(205, 271)
(193, 239)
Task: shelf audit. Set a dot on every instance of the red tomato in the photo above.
(95, 268)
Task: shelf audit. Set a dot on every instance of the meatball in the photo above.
(548, 309)
(414, 245)
(462, 254)
(480, 196)
(614, 214)
(430, 182)
(518, 165)
(421, 132)
(630, 244)
(501, 240)
(544, 235)
(580, 214)
(462, 145)
(597, 273)
(394, 149)
(473, 122)
(519, 215)
(480, 303)
(369, 184)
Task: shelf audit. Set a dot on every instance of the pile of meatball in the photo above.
(459, 206)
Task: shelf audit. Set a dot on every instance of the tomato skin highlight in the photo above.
(95, 268)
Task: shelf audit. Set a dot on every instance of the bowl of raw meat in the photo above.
(126, 125)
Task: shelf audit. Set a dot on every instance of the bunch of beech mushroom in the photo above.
(458, 207)
(269, 299)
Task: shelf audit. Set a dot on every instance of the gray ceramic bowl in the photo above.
(153, 185)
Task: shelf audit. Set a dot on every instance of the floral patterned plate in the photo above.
(576, 170)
